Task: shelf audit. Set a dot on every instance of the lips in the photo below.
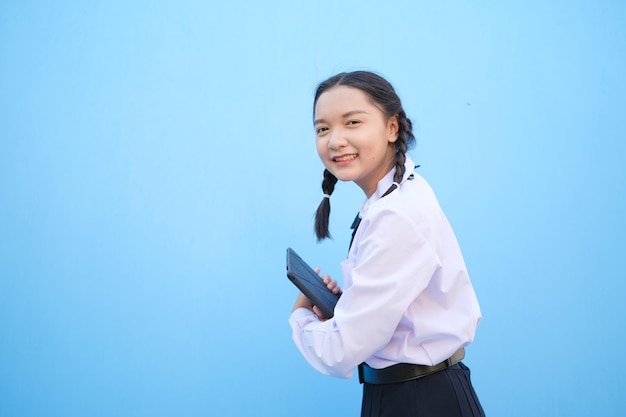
(344, 158)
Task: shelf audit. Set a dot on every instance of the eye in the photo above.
(321, 130)
(353, 122)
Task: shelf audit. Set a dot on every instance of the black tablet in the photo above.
(311, 284)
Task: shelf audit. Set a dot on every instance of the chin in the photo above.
(342, 176)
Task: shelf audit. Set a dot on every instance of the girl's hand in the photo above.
(303, 302)
(331, 284)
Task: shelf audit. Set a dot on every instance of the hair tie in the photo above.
(327, 196)
(396, 184)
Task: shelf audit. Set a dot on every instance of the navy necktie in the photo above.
(355, 225)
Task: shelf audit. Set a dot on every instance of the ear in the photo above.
(393, 127)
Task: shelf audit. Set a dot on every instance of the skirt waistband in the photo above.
(403, 372)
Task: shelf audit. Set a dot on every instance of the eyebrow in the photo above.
(343, 116)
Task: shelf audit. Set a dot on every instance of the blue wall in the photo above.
(156, 159)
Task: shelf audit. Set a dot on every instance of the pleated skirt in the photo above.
(447, 393)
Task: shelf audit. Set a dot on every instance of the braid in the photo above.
(323, 211)
(405, 137)
(400, 168)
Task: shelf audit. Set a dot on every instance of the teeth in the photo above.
(344, 158)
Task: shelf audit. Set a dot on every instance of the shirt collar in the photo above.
(384, 184)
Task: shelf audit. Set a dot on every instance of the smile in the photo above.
(343, 158)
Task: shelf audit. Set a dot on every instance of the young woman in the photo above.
(408, 308)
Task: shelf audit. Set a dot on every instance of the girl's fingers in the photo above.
(333, 286)
(330, 283)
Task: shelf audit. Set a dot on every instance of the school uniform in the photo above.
(407, 299)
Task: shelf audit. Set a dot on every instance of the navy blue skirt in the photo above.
(447, 393)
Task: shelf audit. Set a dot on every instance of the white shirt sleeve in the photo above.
(392, 263)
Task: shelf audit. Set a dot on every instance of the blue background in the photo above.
(156, 159)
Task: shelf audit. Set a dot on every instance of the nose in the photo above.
(336, 139)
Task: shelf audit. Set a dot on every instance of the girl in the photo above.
(408, 308)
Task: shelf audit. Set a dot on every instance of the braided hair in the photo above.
(383, 95)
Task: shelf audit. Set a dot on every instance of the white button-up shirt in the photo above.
(407, 296)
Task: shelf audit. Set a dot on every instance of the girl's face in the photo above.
(355, 140)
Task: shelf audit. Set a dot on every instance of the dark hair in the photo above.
(383, 95)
